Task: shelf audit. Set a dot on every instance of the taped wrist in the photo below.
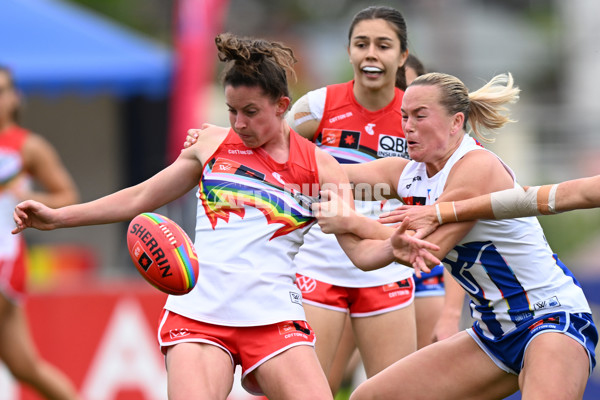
(519, 202)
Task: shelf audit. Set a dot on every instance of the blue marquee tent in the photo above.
(54, 47)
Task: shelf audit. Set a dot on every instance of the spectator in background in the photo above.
(24, 156)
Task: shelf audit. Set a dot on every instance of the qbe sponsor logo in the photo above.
(392, 146)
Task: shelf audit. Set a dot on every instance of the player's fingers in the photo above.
(421, 264)
(417, 269)
(390, 219)
(192, 134)
(432, 259)
(403, 226)
(428, 245)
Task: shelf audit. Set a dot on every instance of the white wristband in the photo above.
(446, 212)
(437, 211)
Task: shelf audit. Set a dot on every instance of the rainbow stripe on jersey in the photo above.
(229, 190)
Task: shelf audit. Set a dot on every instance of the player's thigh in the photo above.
(455, 368)
(427, 312)
(396, 338)
(198, 371)
(293, 374)
(328, 326)
(554, 363)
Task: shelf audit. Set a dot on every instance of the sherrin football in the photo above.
(163, 253)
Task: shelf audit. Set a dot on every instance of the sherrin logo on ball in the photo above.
(163, 253)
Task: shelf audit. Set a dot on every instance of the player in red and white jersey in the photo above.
(356, 122)
(256, 180)
(25, 156)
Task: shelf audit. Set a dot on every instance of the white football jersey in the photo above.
(506, 266)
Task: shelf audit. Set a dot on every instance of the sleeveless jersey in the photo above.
(12, 267)
(352, 134)
(251, 220)
(506, 266)
(11, 168)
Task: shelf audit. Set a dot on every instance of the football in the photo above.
(163, 253)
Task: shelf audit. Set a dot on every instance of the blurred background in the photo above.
(115, 85)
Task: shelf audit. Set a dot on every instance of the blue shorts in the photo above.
(507, 352)
(430, 283)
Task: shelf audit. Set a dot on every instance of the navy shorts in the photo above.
(507, 352)
(430, 283)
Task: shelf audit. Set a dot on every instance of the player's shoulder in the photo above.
(482, 159)
(483, 169)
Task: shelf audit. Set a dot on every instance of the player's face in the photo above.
(375, 54)
(253, 115)
(431, 133)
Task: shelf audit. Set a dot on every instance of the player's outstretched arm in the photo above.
(368, 254)
(335, 215)
(511, 203)
(164, 187)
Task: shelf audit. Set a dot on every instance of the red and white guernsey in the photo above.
(251, 219)
(12, 268)
(352, 134)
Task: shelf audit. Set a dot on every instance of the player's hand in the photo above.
(423, 219)
(192, 135)
(333, 213)
(33, 214)
(413, 249)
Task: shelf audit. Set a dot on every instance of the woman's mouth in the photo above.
(372, 72)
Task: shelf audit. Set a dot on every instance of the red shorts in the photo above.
(13, 275)
(359, 302)
(248, 347)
